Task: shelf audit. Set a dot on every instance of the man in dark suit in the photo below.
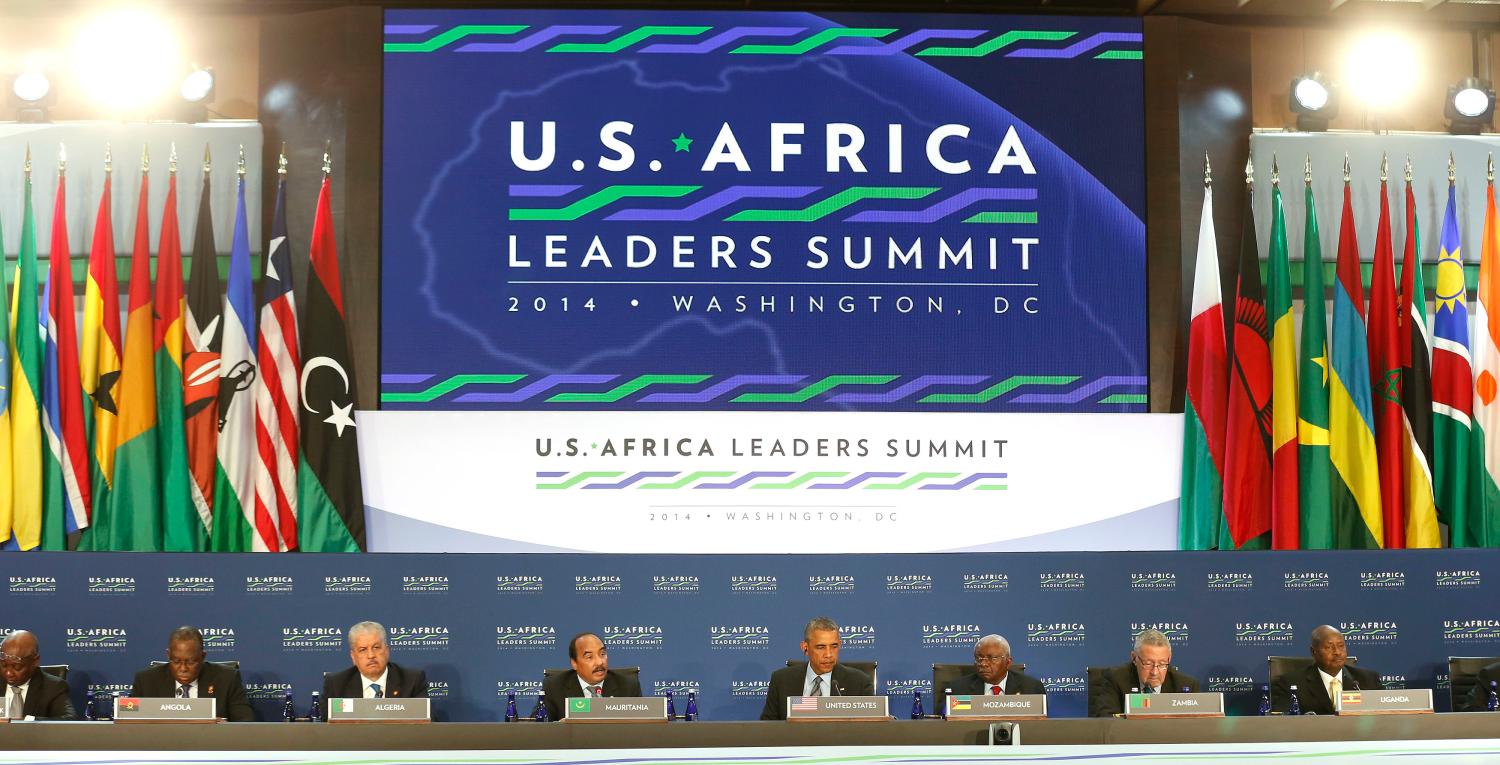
(374, 675)
(1318, 686)
(30, 693)
(820, 675)
(1487, 680)
(187, 676)
(590, 676)
(1148, 671)
(991, 675)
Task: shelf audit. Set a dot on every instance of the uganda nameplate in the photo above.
(1406, 701)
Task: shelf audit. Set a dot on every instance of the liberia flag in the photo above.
(276, 396)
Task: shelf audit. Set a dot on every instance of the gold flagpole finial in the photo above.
(145, 159)
(172, 159)
(327, 158)
(1384, 167)
(1307, 170)
(1208, 172)
(1346, 167)
(208, 160)
(1250, 172)
(240, 168)
(1490, 170)
(1452, 168)
(28, 160)
(109, 159)
(1408, 169)
(1275, 171)
(62, 159)
(281, 161)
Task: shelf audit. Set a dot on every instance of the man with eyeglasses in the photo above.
(186, 675)
(992, 674)
(1148, 671)
(31, 694)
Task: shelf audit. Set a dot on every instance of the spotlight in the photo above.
(127, 61)
(31, 95)
(1314, 101)
(1382, 70)
(1471, 107)
(196, 91)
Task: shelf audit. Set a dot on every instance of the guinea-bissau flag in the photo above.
(1285, 530)
(1454, 440)
(183, 529)
(100, 343)
(1355, 490)
(1385, 379)
(1478, 522)
(329, 498)
(1314, 466)
(1247, 448)
(1416, 389)
(1201, 508)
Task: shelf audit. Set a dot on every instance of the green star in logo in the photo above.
(682, 143)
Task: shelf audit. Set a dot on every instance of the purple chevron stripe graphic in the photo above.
(925, 381)
(715, 201)
(1078, 394)
(942, 209)
(961, 484)
(397, 379)
(541, 189)
(852, 482)
(408, 29)
(900, 44)
(532, 40)
(633, 479)
(720, 388)
(551, 473)
(746, 478)
(723, 38)
(544, 384)
(1073, 50)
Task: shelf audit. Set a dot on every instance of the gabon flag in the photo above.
(1247, 449)
(99, 365)
(1416, 387)
(1285, 521)
(1201, 509)
(1385, 378)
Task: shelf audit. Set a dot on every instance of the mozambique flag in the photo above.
(1355, 491)
(183, 530)
(27, 331)
(99, 366)
(234, 476)
(1416, 391)
(328, 491)
(66, 495)
(1313, 463)
(130, 518)
(1456, 444)
(1201, 509)
(1247, 448)
(1285, 531)
(1385, 376)
(200, 362)
(6, 499)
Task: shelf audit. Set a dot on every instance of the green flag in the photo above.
(1314, 467)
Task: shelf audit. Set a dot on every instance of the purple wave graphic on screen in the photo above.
(746, 478)
(533, 40)
(722, 39)
(1080, 393)
(716, 201)
(902, 43)
(855, 481)
(1072, 51)
(546, 383)
(942, 209)
(717, 390)
(925, 381)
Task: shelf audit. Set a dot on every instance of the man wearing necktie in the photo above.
(30, 692)
(1148, 671)
(373, 674)
(1320, 683)
(821, 675)
(992, 674)
(187, 675)
(590, 676)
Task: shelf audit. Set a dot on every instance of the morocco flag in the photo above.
(1385, 379)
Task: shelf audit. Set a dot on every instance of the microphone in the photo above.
(834, 684)
(1352, 680)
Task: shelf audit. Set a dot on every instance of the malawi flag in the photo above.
(27, 331)
(130, 518)
(1285, 529)
(1201, 509)
(66, 494)
(1351, 435)
(328, 490)
(1454, 389)
(1385, 376)
(234, 492)
(183, 529)
(276, 396)
(200, 361)
(1480, 525)
(1247, 448)
(99, 366)
(1314, 468)
(1416, 391)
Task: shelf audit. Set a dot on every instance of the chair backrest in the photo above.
(1463, 671)
(60, 671)
(867, 667)
(1093, 678)
(233, 664)
(1277, 666)
(944, 675)
(630, 672)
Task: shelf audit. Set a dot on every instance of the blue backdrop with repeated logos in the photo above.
(482, 624)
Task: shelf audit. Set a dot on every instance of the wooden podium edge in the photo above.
(886, 718)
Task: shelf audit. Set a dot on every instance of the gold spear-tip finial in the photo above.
(1275, 171)
(1452, 168)
(109, 159)
(1408, 169)
(240, 168)
(281, 161)
(172, 159)
(1490, 170)
(327, 157)
(62, 158)
(1384, 167)
(1346, 167)
(28, 160)
(208, 160)
(1250, 172)
(145, 158)
(1307, 170)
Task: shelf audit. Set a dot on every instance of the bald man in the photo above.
(31, 694)
(992, 674)
(1319, 685)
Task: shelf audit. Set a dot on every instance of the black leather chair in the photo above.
(943, 676)
(867, 667)
(630, 672)
(1463, 671)
(1277, 666)
(60, 671)
(233, 664)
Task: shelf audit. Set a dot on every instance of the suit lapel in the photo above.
(33, 694)
(1316, 689)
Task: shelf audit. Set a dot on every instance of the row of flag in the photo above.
(1374, 435)
(206, 422)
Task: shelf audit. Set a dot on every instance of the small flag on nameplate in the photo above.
(805, 704)
(959, 703)
(130, 704)
(346, 705)
(1140, 701)
(579, 705)
(1350, 698)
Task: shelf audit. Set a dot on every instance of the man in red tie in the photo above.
(590, 676)
(992, 674)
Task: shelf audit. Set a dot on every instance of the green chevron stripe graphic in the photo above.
(998, 389)
(1124, 398)
(691, 477)
(799, 480)
(813, 42)
(626, 40)
(581, 477)
(984, 49)
(601, 198)
(1121, 55)
(825, 384)
(457, 33)
(625, 389)
(1002, 217)
(834, 203)
(910, 482)
(448, 386)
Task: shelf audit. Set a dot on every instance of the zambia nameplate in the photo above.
(1022, 705)
(808, 708)
(379, 710)
(1174, 705)
(1409, 701)
(617, 709)
(130, 709)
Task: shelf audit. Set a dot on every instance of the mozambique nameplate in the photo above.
(1030, 706)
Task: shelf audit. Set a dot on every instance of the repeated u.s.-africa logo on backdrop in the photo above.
(1229, 684)
(426, 637)
(754, 584)
(1177, 632)
(218, 638)
(908, 583)
(520, 687)
(1231, 580)
(639, 636)
(1370, 632)
(676, 687)
(33, 585)
(830, 583)
(1382, 580)
(1263, 632)
(347, 585)
(598, 584)
(676, 584)
(857, 635)
(526, 583)
(428, 583)
(97, 639)
(1061, 580)
(525, 636)
(987, 582)
(1472, 630)
(952, 635)
(1305, 580)
(281, 584)
(111, 585)
(1056, 633)
(739, 636)
(312, 638)
(199, 585)
(1154, 580)
(262, 691)
(1455, 579)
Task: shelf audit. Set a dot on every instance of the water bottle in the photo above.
(288, 709)
(539, 712)
(89, 713)
(1296, 705)
(671, 708)
(917, 712)
(1265, 700)
(1493, 704)
(510, 706)
(692, 708)
(316, 713)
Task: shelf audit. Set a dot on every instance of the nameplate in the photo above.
(1174, 705)
(1031, 706)
(815, 708)
(616, 709)
(1410, 701)
(130, 709)
(379, 710)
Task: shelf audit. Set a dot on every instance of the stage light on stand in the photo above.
(1470, 108)
(127, 62)
(1315, 102)
(31, 94)
(197, 91)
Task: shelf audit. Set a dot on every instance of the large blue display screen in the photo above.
(762, 210)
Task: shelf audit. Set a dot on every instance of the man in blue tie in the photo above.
(820, 675)
(188, 675)
(374, 675)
